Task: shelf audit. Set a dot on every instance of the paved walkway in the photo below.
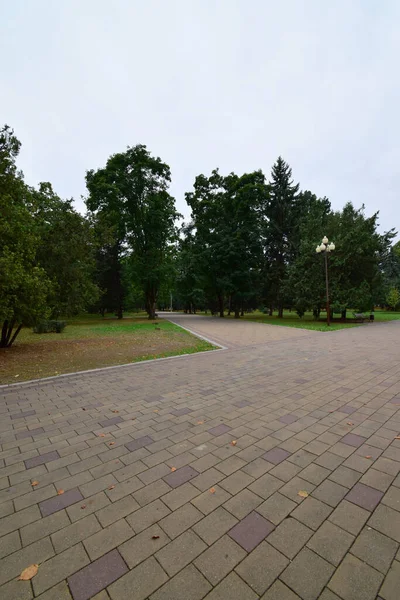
(269, 470)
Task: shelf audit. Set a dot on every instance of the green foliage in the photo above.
(393, 298)
(130, 194)
(49, 327)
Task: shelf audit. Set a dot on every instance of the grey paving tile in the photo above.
(109, 422)
(181, 519)
(390, 587)
(386, 520)
(41, 459)
(215, 525)
(307, 575)
(262, 567)
(375, 549)
(11, 566)
(179, 553)
(139, 443)
(97, 576)
(143, 545)
(9, 543)
(290, 537)
(216, 562)
(279, 591)
(44, 527)
(355, 580)
(331, 542)
(276, 455)
(352, 439)
(189, 583)
(312, 512)
(219, 429)
(61, 566)
(349, 517)
(232, 588)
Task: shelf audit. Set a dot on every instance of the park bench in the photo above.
(361, 317)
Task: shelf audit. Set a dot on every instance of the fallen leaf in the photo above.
(102, 435)
(83, 408)
(83, 506)
(155, 537)
(397, 437)
(115, 411)
(212, 490)
(368, 456)
(28, 573)
(173, 469)
(155, 410)
(350, 423)
(233, 443)
(200, 422)
(34, 483)
(302, 494)
(59, 492)
(111, 443)
(111, 487)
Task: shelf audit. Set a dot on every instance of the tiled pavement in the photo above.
(181, 478)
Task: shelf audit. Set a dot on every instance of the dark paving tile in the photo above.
(276, 455)
(364, 496)
(352, 439)
(349, 410)
(178, 412)
(219, 429)
(52, 505)
(109, 422)
(242, 404)
(288, 419)
(24, 434)
(251, 530)
(97, 576)
(139, 443)
(27, 413)
(154, 399)
(41, 460)
(180, 476)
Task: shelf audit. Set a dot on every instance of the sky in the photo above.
(203, 84)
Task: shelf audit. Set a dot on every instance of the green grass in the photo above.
(290, 319)
(91, 342)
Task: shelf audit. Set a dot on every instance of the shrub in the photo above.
(49, 327)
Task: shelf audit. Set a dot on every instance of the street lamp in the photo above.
(325, 247)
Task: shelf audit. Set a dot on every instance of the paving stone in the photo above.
(307, 575)
(243, 503)
(210, 500)
(59, 567)
(29, 433)
(251, 530)
(143, 545)
(364, 496)
(19, 519)
(180, 520)
(261, 567)
(312, 512)
(279, 591)
(315, 473)
(216, 562)
(22, 415)
(386, 465)
(10, 543)
(17, 590)
(44, 527)
(107, 539)
(354, 580)
(11, 566)
(352, 439)
(390, 587)
(330, 492)
(98, 575)
(331, 542)
(219, 429)
(349, 517)
(189, 583)
(41, 459)
(215, 525)
(329, 595)
(58, 592)
(109, 422)
(345, 477)
(180, 476)
(386, 520)
(377, 479)
(329, 461)
(179, 553)
(302, 458)
(97, 485)
(236, 482)
(208, 479)
(285, 470)
(232, 588)
(375, 549)
(392, 498)
(276, 508)
(146, 516)
(289, 537)
(90, 505)
(34, 497)
(151, 492)
(276, 455)
(117, 510)
(48, 507)
(292, 488)
(266, 485)
(230, 465)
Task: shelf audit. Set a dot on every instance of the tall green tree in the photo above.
(280, 223)
(23, 284)
(131, 192)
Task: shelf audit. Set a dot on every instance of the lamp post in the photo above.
(324, 248)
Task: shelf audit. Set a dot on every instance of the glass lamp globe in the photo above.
(325, 240)
(318, 249)
(331, 247)
(323, 247)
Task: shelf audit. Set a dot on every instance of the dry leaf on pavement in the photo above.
(112, 443)
(233, 443)
(200, 422)
(212, 490)
(368, 456)
(302, 494)
(83, 506)
(173, 469)
(350, 423)
(28, 573)
(111, 487)
(102, 435)
(155, 537)
(59, 492)
(34, 483)
(115, 411)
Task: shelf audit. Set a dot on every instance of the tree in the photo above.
(393, 298)
(23, 284)
(66, 253)
(280, 213)
(131, 194)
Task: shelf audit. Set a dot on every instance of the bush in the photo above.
(49, 327)
(301, 307)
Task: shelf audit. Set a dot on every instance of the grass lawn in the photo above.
(91, 342)
(290, 319)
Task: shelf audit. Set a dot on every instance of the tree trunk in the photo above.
(242, 311)
(221, 306)
(271, 311)
(3, 339)
(151, 304)
(344, 313)
(7, 337)
(280, 312)
(14, 336)
(237, 312)
(119, 312)
(229, 305)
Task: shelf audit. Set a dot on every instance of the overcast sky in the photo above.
(208, 83)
